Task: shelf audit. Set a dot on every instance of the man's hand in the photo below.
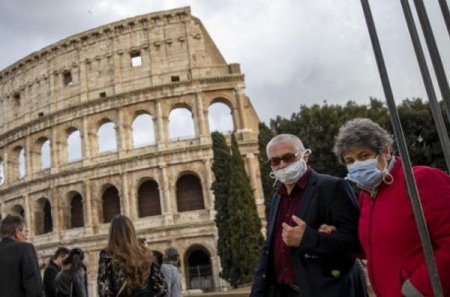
(293, 235)
(324, 228)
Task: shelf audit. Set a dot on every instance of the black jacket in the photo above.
(19, 270)
(75, 287)
(321, 262)
(49, 279)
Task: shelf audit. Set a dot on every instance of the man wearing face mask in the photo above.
(297, 259)
(387, 228)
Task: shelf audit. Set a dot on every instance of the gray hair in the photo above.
(286, 138)
(361, 132)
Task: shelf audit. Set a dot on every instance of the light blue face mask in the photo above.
(366, 175)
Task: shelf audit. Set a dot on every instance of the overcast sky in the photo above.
(292, 52)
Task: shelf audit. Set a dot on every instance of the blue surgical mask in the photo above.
(366, 175)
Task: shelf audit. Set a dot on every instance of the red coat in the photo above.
(389, 235)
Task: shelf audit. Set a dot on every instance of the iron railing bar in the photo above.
(434, 54)
(436, 110)
(398, 132)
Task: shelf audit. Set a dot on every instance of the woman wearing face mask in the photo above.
(387, 229)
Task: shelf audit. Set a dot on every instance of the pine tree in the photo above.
(220, 187)
(265, 135)
(244, 223)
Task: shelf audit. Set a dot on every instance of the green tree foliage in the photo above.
(220, 187)
(317, 126)
(245, 236)
(265, 134)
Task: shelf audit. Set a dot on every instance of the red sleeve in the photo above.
(434, 191)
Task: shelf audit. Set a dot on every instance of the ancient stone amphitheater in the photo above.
(117, 119)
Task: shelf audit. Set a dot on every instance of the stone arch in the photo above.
(110, 203)
(43, 221)
(106, 136)
(143, 129)
(181, 123)
(18, 210)
(189, 192)
(76, 210)
(149, 202)
(73, 145)
(198, 268)
(220, 116)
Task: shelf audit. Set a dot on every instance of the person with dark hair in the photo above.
(387, 228)
(297, 259)
(52, 269)
(169, 269)
(126, 266)
(71, 281)
(19, 267)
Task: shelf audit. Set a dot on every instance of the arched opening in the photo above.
(106, 137)
(143, 131)
(22, 163)
(2, 172)
(220, 118)
(18, 210)
(181, 124)
(45, 155)
(74, 146)
(76, 211)
(110, 204)
(189, 193)
(43, 217)
(199, 269)
(149, 203)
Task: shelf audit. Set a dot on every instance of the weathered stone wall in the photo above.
(82, 81)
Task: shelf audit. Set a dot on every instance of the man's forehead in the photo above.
(284, 146)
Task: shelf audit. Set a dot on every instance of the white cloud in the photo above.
(292, 51)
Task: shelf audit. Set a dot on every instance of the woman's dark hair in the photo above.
(61, 251)
(75, 260)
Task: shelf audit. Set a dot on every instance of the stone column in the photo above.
(29, 214)
(83, 76)
(168, 206)
(55, 150)
(88, 204)
(123, 132)
(86, 144)
(240, 98)
(209, 198)
(28, 159)
(56, 212)
(117, 61)
(125, 202)
(2, 210)
(200, 124)
(161, 120)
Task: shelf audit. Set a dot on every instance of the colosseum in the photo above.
(117, 119)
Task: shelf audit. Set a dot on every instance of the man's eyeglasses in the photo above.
(287, 158)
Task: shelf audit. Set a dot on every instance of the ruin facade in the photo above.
(68, 183)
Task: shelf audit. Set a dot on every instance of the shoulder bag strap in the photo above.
(121, 288)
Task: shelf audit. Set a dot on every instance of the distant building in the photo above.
(92, 126)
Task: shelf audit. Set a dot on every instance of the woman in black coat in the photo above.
(71, 281)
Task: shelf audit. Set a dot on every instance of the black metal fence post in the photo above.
(409, 177)
(436, 110)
